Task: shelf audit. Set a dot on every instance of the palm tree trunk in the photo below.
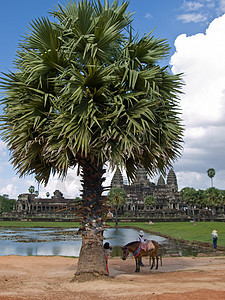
(92, 262)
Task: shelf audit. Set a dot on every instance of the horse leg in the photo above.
(137, 259)
(153, 262)
(157, 262)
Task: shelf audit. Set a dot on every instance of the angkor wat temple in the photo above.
(166, 195)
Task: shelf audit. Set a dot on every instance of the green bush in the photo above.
(6, 204)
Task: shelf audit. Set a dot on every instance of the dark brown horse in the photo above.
(135, 248)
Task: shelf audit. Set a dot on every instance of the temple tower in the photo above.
(117, 180)
(141, 177)
(161, 181)
(172, 180)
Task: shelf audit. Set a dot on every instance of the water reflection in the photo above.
(66, 242)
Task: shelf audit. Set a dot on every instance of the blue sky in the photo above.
(195, 31)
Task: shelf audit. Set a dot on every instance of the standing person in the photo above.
(143, 241)
(107, 250)
(214, 238)
(109, 214)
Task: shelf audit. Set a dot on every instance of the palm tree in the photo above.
(117, 197)
(86, 92)
(31, 189)
(150, 200)
(189, 198)
(38, 190)
(214, 198)
(211, 173)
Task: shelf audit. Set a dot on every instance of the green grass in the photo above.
(199, 231)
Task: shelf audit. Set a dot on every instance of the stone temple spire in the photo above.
(172, 179)
(141, 177)
(161, 181)
(117, 180)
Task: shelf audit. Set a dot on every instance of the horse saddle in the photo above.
(148, 246)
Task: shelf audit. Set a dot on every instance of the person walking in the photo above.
(214, 238)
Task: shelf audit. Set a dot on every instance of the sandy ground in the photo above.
(50, 278)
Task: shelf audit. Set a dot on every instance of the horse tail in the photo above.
(161, 259)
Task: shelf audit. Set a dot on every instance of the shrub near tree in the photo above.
(87, 92)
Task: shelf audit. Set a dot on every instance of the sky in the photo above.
(195, 31)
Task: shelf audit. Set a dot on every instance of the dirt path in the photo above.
(49, 278)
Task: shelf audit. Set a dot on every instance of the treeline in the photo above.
(6, 204)
(197, 201)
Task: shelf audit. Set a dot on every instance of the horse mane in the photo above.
(131, 243)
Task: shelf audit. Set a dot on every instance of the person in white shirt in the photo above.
(214, 238)
(142, 240)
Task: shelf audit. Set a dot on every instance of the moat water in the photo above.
(66, 242)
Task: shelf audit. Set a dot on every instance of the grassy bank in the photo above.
(199, 231)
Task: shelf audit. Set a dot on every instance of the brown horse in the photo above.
(135, 248)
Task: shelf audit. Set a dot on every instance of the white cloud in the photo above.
(201, 58)
(148, 15)
(191, 179)
(192, 17)
(191, 5)
(9, 189)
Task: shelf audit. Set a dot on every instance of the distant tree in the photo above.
(150, 200)
(47, 194)
(211, 173)
(214, 199)
(31, 189)
(200, 202)
(77, 199)
(36, 193)
(117, 197)
(6, 204)
(188, 197)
